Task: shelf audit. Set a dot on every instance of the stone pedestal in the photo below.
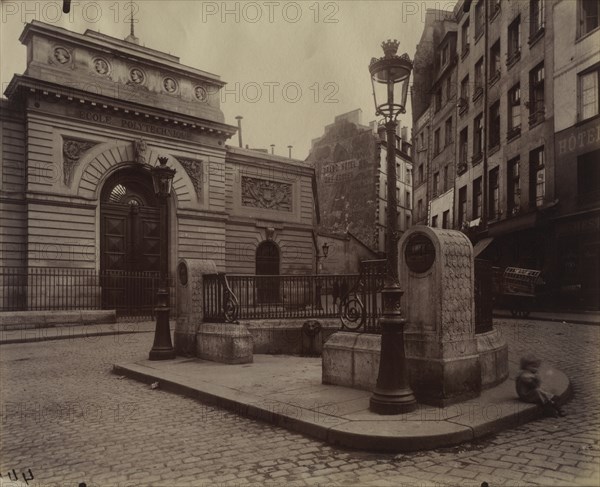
(227, 343)
(189, 302)
(351, 360)
(437, 276)
(493, 356)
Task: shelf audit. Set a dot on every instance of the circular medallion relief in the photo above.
(419, 253)
(62, 55)
(137, 76)
(201, 93)
(182, 272)
(101, 66)
(170, 85)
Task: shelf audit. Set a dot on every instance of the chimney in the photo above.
(373, 126)
(272, 149)
(239, 119)
(382, 133)
(290, 150)
(404, 134)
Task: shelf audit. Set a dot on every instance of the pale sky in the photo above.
(309, 59)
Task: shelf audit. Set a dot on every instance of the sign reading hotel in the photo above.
(335, 172)
(578, 140)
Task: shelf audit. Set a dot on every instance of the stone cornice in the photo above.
(32, 85)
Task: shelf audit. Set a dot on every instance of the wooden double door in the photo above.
(130, 247)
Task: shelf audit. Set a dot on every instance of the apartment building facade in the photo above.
(517, 189)
(350, 164)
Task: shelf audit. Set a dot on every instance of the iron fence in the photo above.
(355, 298)
(131, 294)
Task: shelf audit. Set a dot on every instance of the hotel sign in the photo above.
(579, 139)
(334, 172)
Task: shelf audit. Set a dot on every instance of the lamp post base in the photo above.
(163, 347)
(392, 395)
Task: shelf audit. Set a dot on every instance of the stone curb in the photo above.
(342, 432)
(63, 336)
(533, 317)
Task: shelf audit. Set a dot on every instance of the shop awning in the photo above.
(482, 245)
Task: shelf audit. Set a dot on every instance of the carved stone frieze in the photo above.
(72, 152)
(261, 193)
(193, 169)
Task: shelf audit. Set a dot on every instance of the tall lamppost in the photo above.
(390, 79)
(162, 178)
(319, 285)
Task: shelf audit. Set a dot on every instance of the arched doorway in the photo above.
(267, 264)
(129, 242)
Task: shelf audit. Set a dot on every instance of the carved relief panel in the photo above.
(270, 195)
(72, 151)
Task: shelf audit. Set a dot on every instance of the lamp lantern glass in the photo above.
(390, 76)
(325, 249)
(162, 178)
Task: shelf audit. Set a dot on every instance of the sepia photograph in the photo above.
(299, 243)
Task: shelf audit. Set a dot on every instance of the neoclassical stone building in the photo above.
(80, 130)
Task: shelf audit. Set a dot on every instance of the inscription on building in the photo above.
(261, 193)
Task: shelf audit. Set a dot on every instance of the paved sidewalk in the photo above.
(287, 391)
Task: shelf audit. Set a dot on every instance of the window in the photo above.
(408, 200)
(463, 148)
(462, 205)
(589, 94)
(493, 7)
(445, 51)
(438, 99)
(420, 209)
(495, 62)
(536, 19)
(477, 198)
(478, 79)
(513, 190)
(463, 103)
(464, 38)
(588, 16)
(407, 222)
(445, 178)
(514, 41)
(448, 89)
(537, 178)
(436, 183)
(588, 178)
(478, 138)
(434, 221)
(536, 95)
(514, 111)
(408, 176)
(436, 142)
(494, 194)
(445, 218)
(479, 19)
(495, 124)
(420, 173)
(448, 132)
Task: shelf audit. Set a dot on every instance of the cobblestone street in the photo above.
(69, 420)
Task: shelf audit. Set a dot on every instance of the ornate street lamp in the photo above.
(162, 179)
(390, 78)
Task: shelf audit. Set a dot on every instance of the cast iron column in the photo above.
(163, 348)
(392, 395)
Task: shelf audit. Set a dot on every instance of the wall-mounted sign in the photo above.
(419, 253)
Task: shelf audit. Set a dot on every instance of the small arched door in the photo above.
(267, 264)
(130, 242)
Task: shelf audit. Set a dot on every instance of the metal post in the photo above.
(163, 348)
(392, 395)
(239, 119)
